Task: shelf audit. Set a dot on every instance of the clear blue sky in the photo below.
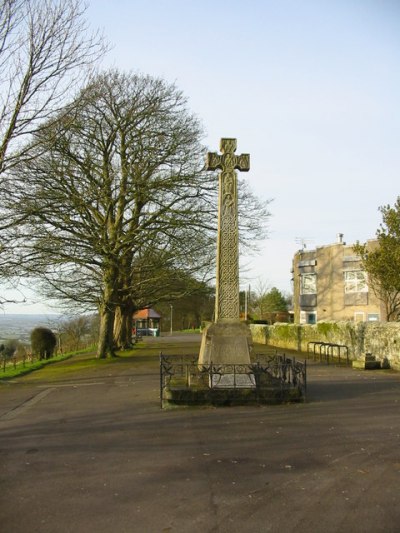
(309, 88)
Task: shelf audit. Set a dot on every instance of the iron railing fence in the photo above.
(268, 377)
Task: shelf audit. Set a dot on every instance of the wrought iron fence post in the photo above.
(161, 380)
(293, 369)
(305, 380)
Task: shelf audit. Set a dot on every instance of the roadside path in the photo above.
(92, 451)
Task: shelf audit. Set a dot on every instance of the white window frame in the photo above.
(359, 316)
(308, 283)
(355, 281)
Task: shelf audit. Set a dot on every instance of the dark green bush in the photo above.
(43, 342)
(8, 349)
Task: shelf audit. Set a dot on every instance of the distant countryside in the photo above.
(19, 327)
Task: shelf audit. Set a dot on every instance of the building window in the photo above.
(373, 317)
(355, 281)
(311, 318)
(308, 284)
(308, 318)
(359, 316)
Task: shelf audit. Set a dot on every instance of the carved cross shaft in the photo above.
(227, 279)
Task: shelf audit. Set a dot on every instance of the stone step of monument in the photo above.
(232, 381)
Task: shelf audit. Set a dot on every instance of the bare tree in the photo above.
(45, 49)
(116, 198)
(74, 334)
(117, 172)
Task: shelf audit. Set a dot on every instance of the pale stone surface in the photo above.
(382, 338)
(227, 341)
(230, 381)
(227, 278)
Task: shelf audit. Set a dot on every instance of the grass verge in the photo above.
(85, 360)
(21, 369)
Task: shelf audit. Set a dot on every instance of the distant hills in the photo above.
(20, 326)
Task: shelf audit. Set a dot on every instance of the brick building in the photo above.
(329, 284)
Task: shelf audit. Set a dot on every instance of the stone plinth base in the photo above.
(226, 342)
(233, 381)
(227, 396)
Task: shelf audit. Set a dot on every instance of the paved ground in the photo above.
(93, 452)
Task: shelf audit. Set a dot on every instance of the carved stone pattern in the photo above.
(228, 185)
(228, 275)
(227, 286)
(243, 162)
(228, 145)
(229, 162)
(213, 161)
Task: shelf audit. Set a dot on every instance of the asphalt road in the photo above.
(94, 452)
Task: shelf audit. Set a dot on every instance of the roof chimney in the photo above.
(339, 238)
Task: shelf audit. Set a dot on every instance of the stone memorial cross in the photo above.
(227, 278)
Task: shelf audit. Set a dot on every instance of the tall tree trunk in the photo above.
(129, 321)
(125, 307)
(105, 347)
(118, 326)
(123, 324)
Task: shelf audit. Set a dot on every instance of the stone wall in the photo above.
(379, 338)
